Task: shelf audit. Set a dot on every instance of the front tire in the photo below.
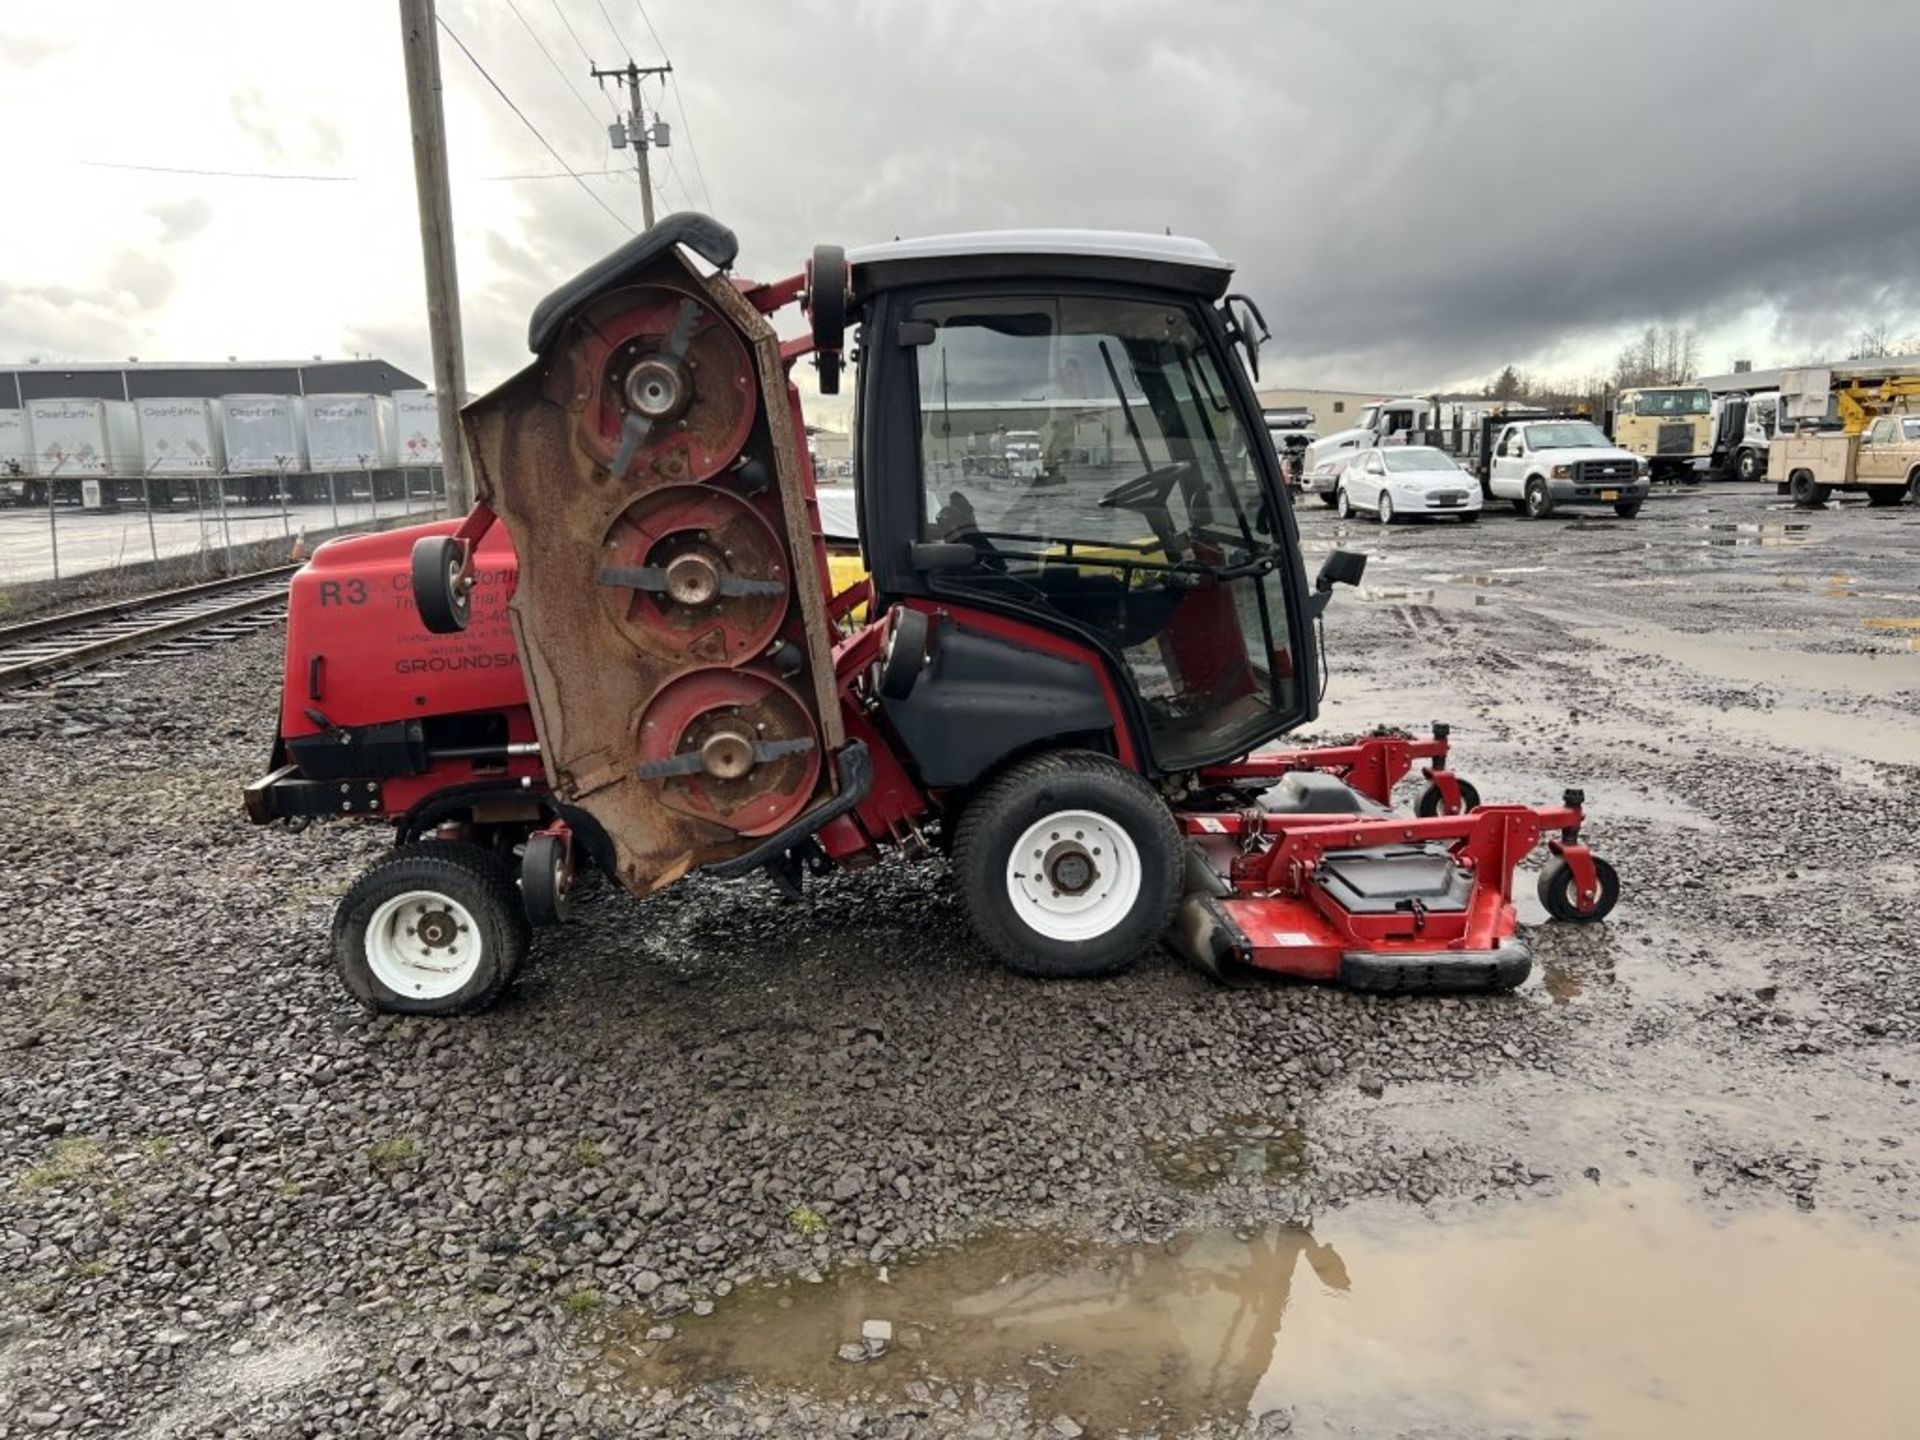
(1627, 509)
(1384, 508)
(1342, 505)
(1746, 465)
(1538, 503)
(1068, 865)
(434, 929)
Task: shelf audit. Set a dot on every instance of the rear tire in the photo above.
(1467, 517)
(434, 929)
(1887, 495)
(1326, 500)
(1068, 865)
(1805, 492)
(1519, 506)
(1538, 504)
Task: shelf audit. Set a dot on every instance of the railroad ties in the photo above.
(158, 627)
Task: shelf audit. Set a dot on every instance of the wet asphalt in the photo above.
(232, 1202)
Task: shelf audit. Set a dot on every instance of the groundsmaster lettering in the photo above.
(448, 664)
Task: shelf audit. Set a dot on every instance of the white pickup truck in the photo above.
(1540, 465)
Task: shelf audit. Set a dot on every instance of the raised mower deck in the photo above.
(1320, 880)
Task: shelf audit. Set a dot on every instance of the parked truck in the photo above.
(1671, 427)
(1875, 452)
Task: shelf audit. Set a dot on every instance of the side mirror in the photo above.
(1342, 567)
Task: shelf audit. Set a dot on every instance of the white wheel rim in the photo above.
(423, 945)
(1073, 876)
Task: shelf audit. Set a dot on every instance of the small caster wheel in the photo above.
(546, 881)
(1430, 804)
(444, 605)
(1557, 891)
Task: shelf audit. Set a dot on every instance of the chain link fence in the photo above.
(57, 527)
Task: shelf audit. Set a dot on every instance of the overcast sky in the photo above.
(1416, 193)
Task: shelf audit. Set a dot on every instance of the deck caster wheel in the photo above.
(1068, 865)
(1557, 891)
(546, 880)
(434, 929)
(445, 605)
(1431, 803)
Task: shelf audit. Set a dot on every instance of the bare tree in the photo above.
(1669, 356)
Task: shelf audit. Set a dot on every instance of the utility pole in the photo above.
(422, 43)
(635, 129)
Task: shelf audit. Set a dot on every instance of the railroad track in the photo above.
(173, 622)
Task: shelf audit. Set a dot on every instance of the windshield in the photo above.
(1143, 517)
(1565, 435)
(1672, 402)
(1102, 393)
(1417, 457)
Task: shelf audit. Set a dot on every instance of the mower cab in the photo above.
(1063, 671)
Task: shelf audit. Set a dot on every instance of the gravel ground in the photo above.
(234, 1203)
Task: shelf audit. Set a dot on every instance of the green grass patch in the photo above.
(807, 1221)
(393, 1153)
(76, 1159)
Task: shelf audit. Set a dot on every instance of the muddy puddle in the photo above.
(1248, 1147)
(1626, 1312)
(1754, 535)
(1761, 659)
(1437, 596)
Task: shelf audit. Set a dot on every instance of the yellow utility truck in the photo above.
(1877, 450)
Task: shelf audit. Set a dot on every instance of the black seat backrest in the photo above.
(705, 236)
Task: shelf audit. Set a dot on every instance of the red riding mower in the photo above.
(1061, 669)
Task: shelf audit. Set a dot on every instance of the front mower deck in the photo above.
(1323, 882)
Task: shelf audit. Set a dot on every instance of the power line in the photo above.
(613, 29)
(585, 54)
(592, 114)
(474, 60)
(651, 31)
(693, 148)
(225, 174)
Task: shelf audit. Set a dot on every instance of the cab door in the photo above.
(1879, 450)
(1507, 477)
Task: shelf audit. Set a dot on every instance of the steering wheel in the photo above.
(1148, 495)
(1148, 492)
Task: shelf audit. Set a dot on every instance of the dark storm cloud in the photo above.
(1413, 192)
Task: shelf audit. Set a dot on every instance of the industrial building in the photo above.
(1332, 409)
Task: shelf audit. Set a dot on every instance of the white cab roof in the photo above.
(1106, 244)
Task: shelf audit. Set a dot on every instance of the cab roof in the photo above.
(1177, 262)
